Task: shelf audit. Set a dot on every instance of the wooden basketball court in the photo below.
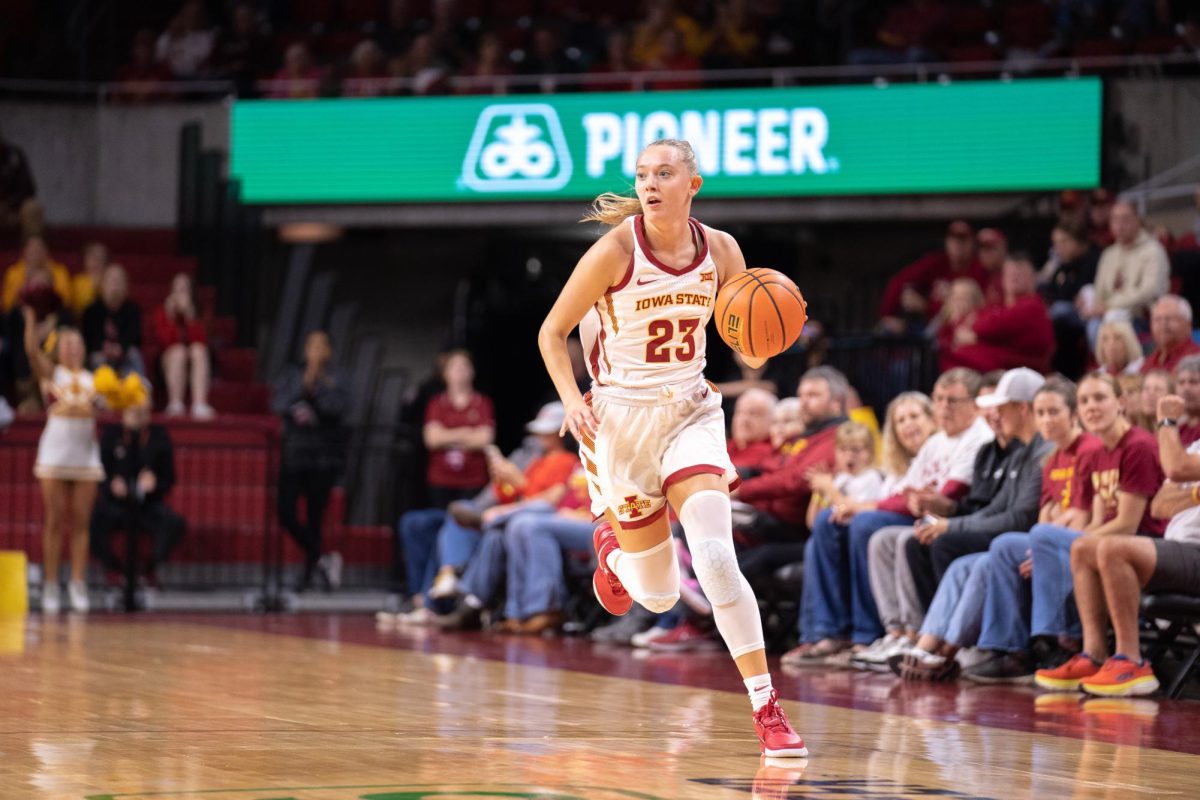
(327, 708)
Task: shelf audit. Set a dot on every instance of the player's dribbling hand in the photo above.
(580, 418)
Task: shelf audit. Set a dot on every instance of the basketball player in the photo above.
(651, 431)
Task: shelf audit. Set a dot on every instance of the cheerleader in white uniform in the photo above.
(68, 458)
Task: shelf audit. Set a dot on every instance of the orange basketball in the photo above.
(760, 312)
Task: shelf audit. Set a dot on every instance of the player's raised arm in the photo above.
(601, 267)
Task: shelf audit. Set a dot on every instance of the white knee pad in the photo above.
(651, 576)
(709, 529)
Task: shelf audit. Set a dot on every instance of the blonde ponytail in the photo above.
(612, 209)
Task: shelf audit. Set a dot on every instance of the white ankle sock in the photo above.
(759, 688)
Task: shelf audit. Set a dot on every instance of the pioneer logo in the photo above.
(517, 147)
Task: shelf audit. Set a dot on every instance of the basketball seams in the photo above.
(778, 313)
(732, 297)
(759, 278)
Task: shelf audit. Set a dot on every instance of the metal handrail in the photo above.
(921, 72)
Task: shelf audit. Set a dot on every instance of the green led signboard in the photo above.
(958, 137)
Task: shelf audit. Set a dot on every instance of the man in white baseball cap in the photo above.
(1016, 386)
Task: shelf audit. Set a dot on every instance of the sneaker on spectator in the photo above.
(386, 619)
(203, 411)
(175, 409)
(78, 594)
(623, 629)
(1121, 676)
(1003, 668)
(876, 656)
(653, 633)
(445, 584)
(685, 637)
(418, 616)
(1066, 677)
(464, 617)
(331, 568)
(51, 602)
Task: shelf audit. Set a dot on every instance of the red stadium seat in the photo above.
(1028, 25)
(971, 52)
(237, 363)
(1095, 48)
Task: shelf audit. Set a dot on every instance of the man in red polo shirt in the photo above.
(1171, 330)
(916, 292)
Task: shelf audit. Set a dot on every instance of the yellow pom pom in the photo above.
(133, 391)
(105, 381)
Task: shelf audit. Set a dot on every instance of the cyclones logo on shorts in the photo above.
(633, 506)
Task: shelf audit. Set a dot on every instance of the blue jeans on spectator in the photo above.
(456, 545)
(1013, 601)
(956, 613)
(837, 602)
(488, 562)
(417, 534)
(536, 578)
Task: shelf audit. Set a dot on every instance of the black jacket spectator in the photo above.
(312, 400)
(16, 180)
(103, 326)
(139, 470)
(1071, 276)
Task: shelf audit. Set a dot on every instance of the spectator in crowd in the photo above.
(1133, 272)
(992, 246)
(733, 376)
(1071, 266)
(1014, 503)
(664, 15)
(1187, 383)
(908, 34)
(734, 38)
(34, 257)
(750, 428)
(86, 283)
(1118, 351)
(395, 35)
(452, 38)
(460, 425)
(19, 206)
(313, 401)
(916, 293)
(240, 52)
(1013, 333)
(901, 606)
(854, 478)
(956, 319)
(481, 560)
(787, 424)
(112, 326)
(780, 494)
(956, 613)
(187, 44)
(298, 78)
(139, 471)
(37, 294)
(1100, 207)
(420, 546)
(367, 71)
(1156, 384)
(617, 60)
(489, 62)
(179, 331)
(670, 56)
(140, 80)
(547, 57)
(1124, 475)
(839, 608)
(536, 586)
(426, 67)
(1110, 573)
(1171, 330)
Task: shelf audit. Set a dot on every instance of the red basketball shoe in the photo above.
(775, 733)
(606, 585)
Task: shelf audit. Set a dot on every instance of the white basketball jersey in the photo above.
(648, 330)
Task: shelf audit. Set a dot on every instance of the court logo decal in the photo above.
(517, 147)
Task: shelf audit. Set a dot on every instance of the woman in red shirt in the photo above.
(180, 333)
(460, 424)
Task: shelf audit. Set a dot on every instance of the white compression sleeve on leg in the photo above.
(650, 576)
(708, 526)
